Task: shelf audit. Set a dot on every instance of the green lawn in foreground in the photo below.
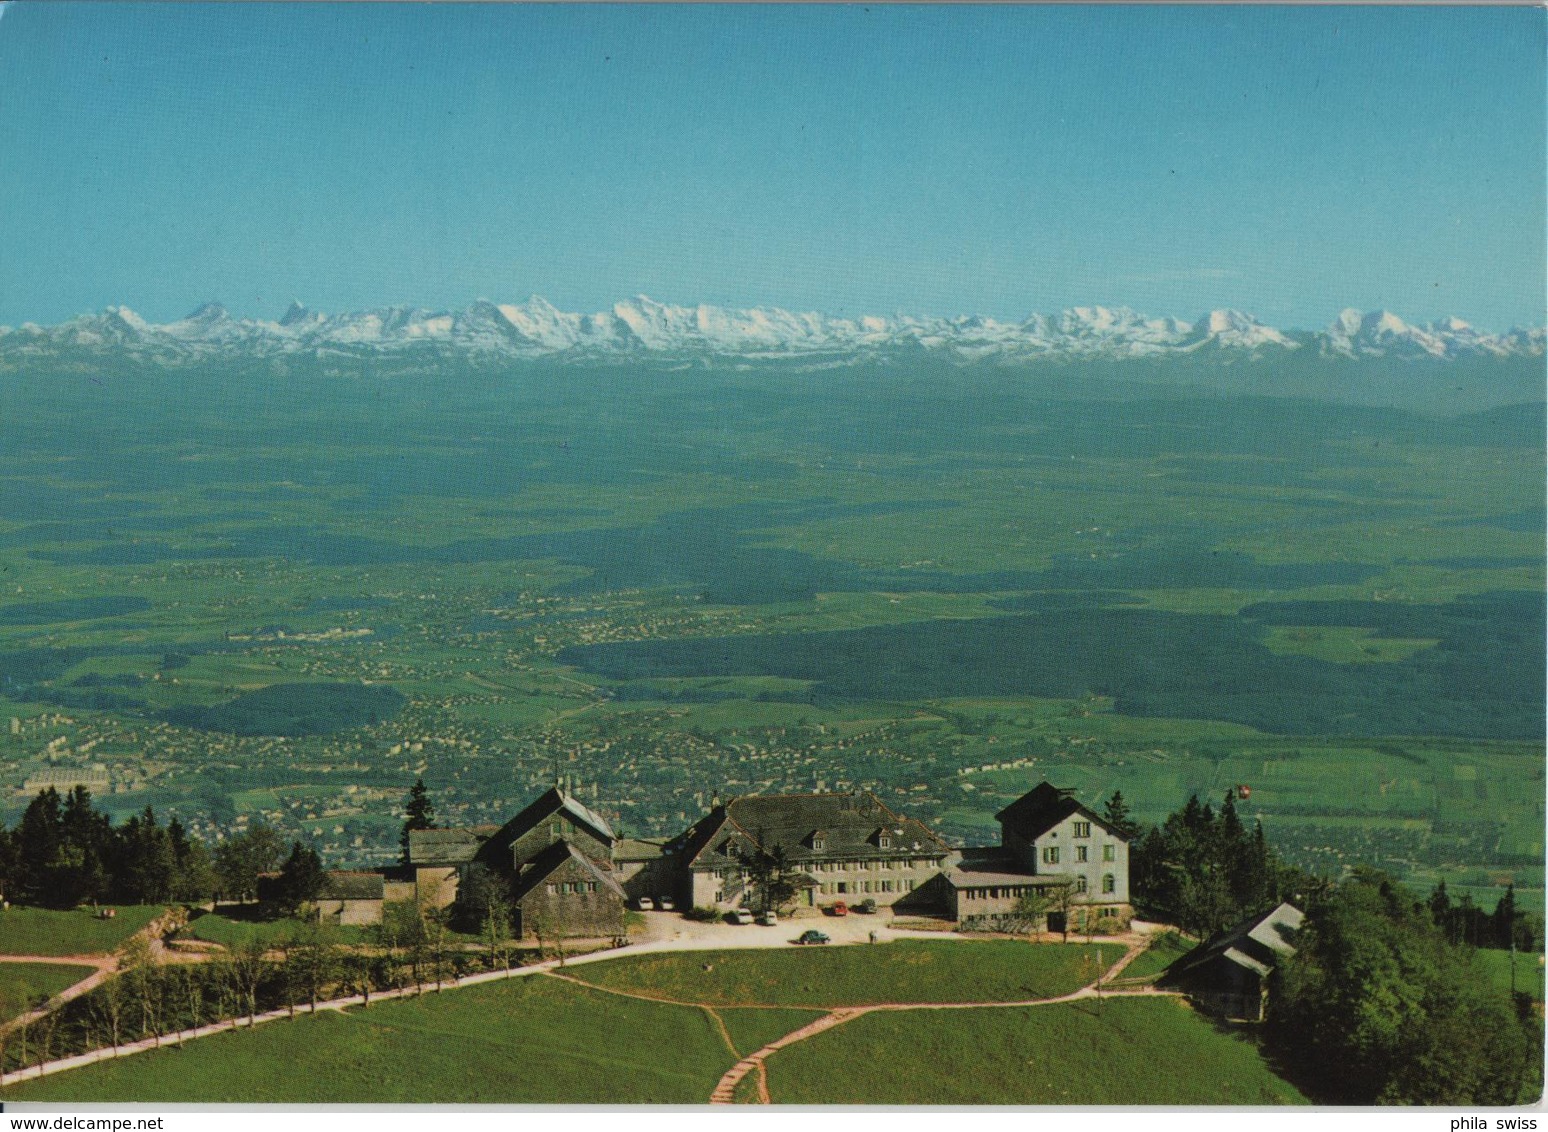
(1164, 950)
(902, 971)
(523, 1041)
(43, 931)
(1131, 1051)
(212, 927)
(23, 984)
(752, 1029)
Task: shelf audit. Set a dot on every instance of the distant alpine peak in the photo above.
(643, 327)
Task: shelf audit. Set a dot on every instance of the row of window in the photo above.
(1082, 854)
(1109, 884)
(862, 866)
(863, 887)
(571, 887)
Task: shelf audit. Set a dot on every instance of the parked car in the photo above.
(646, 904)
(667, 904)
(739, 916)
(838, 908)
(811, 936)
(867, 906)
(769, 919)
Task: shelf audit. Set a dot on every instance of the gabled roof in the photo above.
(1042, 808)
(553, 801)
(1255, 944)
(351, 886)
(852, 825)
(546, 863)
(638, 849)
(431, 847)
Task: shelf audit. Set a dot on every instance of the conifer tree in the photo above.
(419, 813)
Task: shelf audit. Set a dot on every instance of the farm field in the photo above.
(900, 971)
(683, 601)
(42, 931)
(1130, 1051)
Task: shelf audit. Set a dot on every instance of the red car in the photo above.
(838, 908)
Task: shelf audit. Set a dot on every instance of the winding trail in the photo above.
(555, 968)
(725, 1089)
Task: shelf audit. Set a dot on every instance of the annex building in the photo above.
(568, 873)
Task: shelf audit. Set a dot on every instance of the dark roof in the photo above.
(351, 886)
(851, 825)
(1255, 944)
(542, 866)
(1042, 808)
(553, 801)
(444, 846)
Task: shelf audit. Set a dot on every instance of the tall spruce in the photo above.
(418, 813)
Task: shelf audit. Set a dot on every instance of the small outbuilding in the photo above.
(351, 898)
(1228, 973)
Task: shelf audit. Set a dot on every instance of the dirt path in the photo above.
(725, 1089)
(102, 966)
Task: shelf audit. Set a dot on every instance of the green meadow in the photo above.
(524, 1041)
(1125, 1051)
(43, 931)
(900, 971)
(24, 986)
(539, 1040)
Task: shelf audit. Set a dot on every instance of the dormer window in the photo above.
(885, 841)
(818, 840)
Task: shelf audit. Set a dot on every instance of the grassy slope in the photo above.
(1164, 950)
(751, 1030)
(903, 971)
(215, 928)
(42, 931)
(1135, 1051)
(527, 1041)
(22, 984)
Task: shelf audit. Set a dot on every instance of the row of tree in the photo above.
(64, 852)
(147, 1000)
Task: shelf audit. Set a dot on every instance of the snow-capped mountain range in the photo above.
(642, 328)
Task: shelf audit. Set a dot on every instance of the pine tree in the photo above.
(1116, 814)
(419, 813)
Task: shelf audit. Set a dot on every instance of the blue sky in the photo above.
(941, 160)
